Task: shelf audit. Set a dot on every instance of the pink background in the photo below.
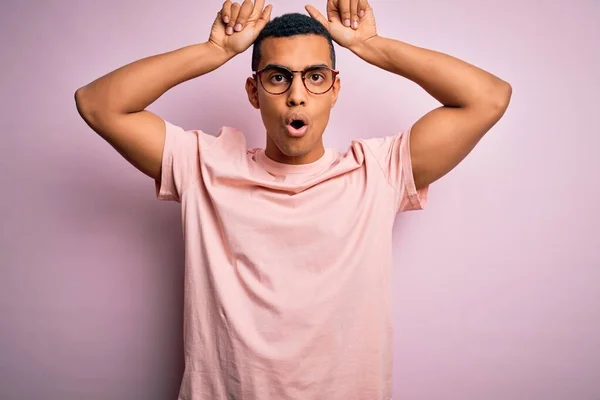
(497, 284)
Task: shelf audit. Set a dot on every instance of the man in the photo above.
(288, 248)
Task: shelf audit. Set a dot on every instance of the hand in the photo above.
(237, 25)
(351, 23)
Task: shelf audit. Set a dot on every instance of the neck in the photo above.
(296, 155)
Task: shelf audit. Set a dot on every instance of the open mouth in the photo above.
(297, 124)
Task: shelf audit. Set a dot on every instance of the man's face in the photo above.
(295, 53)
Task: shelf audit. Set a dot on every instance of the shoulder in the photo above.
(224, 137)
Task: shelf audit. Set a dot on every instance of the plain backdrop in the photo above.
(497, 282)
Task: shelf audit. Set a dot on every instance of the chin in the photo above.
(291, 150)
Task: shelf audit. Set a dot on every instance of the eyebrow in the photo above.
(307, 68)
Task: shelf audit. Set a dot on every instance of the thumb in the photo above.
(265, 17)
(218, 19)
(313, 12)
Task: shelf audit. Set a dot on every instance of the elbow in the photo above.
(79, 96)
(505, 94)
(82, 102)
(498, 99)
(86, 107)
(502, 97)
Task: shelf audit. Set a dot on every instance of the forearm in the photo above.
(452, 82)
(135, 86)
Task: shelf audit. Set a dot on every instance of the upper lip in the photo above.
(296, 117)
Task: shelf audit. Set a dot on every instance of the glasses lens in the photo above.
(276, 80)
(318, 80)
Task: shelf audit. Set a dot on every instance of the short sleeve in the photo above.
(393, 155)
(180, 163)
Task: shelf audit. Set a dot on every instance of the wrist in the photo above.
(363, 48)
(219, 52)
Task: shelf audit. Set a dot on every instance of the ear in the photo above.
(252, 91)
(335, 90)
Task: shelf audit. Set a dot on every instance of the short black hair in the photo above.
(288, 25)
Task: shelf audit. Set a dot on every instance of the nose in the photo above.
(297, 92)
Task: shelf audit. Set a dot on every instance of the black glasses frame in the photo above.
(258, 76)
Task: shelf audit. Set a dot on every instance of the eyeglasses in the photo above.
(276, 79)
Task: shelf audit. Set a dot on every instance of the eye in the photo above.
(278, 78)
(316, 77)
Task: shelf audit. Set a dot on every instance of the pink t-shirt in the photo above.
(288, 267)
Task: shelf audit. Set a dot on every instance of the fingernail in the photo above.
(237, 27)
(361, 13)
(229, 30)
(226, 19)
(355, 24)
(346, 22)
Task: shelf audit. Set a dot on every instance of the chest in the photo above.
(315, 226)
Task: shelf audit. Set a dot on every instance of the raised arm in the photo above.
(473, 100)
(114, 105)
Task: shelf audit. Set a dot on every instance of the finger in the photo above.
(344, 7)
(315, 14)
(218, 20)
(333, 13)
(259, 8)
(226, 11)
(235, 10)
(265, 17)
(245, 12)
(354, 14)
(363, 6)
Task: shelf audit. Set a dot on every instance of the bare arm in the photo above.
(473, 99)
(114, 104)
(473, 102)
